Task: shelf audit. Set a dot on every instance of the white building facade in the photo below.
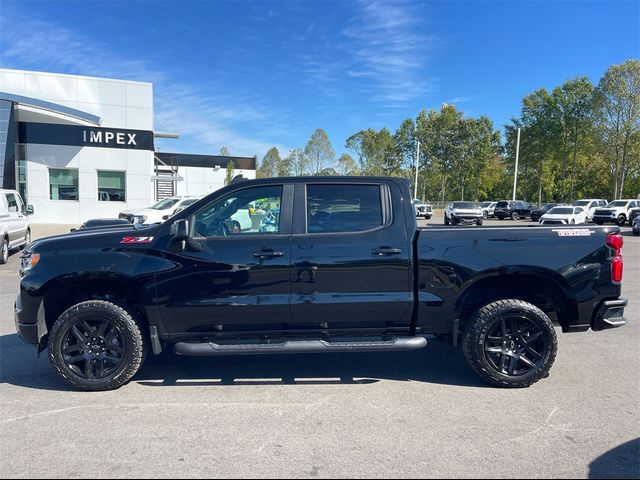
(79, 148)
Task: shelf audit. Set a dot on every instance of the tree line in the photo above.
(578, 140)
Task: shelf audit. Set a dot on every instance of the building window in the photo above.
(111, 186)
(22, 171)
(63, 184)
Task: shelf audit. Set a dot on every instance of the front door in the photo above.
(351, 260)
(233, 277)
(17, 228)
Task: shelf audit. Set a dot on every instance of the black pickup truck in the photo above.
(328, 265)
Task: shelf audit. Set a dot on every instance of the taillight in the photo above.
(616, 269)
(615, 241)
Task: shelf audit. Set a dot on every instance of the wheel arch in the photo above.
(120, 290)
(545, 289)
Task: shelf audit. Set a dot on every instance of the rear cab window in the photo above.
(344, 208)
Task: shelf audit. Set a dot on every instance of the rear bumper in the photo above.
(610, 314)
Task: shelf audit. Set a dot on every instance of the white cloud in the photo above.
(389, 50)
(205, 121)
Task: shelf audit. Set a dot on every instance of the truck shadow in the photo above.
(439, 363)
(620, 462)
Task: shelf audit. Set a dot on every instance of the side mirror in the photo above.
(30, 210)
(180, 230)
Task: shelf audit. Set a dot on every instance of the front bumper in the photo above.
(29, 331)
(610, 314)
(467, 219)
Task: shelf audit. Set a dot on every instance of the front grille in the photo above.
(604, 213)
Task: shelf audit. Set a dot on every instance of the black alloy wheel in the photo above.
(515, 216)
(510, 343)
(621, 220)
(515, 345)
(97, 345)
(93, 348)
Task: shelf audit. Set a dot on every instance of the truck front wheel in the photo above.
(510, 343)
(96, 345)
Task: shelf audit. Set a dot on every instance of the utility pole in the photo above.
(415, 189)
(515, 171)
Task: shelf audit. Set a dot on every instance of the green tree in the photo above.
(231, 172)
(572, 102)
(617, 109)
(346, 165)
(269, 166)
(224, 152)
(297, 161)
(319, 151)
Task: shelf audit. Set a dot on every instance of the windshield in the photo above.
(502, 204)
(561, 211)
(485, 204)
(580, 203)
(165, 204)
(464, 205)
(549, 206)
(619, 203)
(418, 202)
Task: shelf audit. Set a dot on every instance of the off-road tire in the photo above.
(478, 328)
(131, 332)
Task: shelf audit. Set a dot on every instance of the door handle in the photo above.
(386, 251)
(268, 253)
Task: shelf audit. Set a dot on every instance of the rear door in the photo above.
(351, 259)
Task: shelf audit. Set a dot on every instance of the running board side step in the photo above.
(299, 346)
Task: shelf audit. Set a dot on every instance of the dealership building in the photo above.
(79, 147)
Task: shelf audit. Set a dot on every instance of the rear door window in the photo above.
(343, 208)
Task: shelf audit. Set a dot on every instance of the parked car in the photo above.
(635, 226)
(166, 207)
(633, 213)
(590, 205)
(537, 213)
(617, 212)
(488, 209)
(422, 209)
(345, 270)
(15, 231)
(513, 209)
(463, 212)
(564, 215)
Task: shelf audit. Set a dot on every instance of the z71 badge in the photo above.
(133, 240)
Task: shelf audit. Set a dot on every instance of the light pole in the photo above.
(415, 187)
(515, 171)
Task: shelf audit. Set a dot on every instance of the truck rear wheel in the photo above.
(96, 345)
(510, 343)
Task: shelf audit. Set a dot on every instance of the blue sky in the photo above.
(251, 75)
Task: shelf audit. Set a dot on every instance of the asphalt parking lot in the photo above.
(416, 414)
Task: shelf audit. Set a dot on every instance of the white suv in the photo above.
(15, 231)
(616, 212)
(158, 212)
(590, 205)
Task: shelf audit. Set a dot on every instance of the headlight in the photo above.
(139, 219)
(29, 260)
